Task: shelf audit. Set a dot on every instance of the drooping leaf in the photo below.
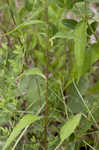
(80, 46)
(33, 71)
(21, 26)
(24, 122)
(69, 127)
(70, 23)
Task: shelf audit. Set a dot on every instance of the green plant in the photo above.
(49, 75)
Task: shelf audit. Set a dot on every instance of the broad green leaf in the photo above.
(33, 71)
(23, 25)
(70, 23)
(80, 46)
(94, 89)
(24, 122)
(69, 127)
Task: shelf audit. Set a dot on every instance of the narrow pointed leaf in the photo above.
(24, 122)
(21, 26)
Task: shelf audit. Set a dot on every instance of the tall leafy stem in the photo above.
(47, 61)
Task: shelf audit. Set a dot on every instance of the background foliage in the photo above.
(73, 80)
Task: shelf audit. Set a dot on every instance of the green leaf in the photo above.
(60, 3)
(69, 127)
(33, 71)
(24, 122)
(92, 28)
(29, 5)
(65, 35)
(69, 3)
(23, 25)
(80, 46)
(92, 55)
(94, 89)
(74, 102)
(94, 51)
(70, 23)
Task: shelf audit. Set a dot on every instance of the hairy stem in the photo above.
(47, 61)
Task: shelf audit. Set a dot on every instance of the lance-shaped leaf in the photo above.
(33, 71)
(68, 128)
(23, 123)
(80, 46)
(23, 25)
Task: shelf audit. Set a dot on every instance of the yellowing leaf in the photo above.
(24, 122)
(79, 46)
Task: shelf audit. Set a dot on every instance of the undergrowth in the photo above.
(49, 75)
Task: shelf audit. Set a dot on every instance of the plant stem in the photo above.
(47, 48)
